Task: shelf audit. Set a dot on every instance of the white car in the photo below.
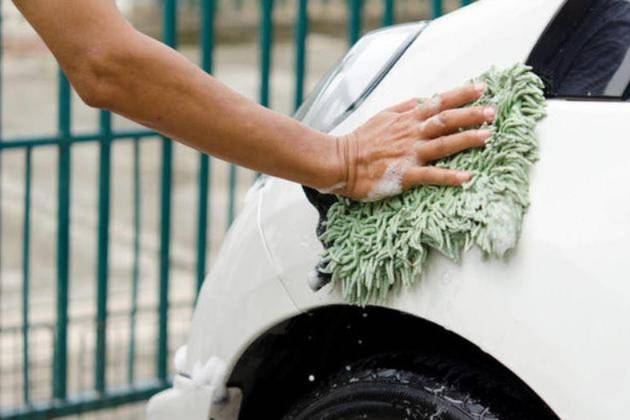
(542, 334)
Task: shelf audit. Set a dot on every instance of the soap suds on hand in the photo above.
(434, 104)
(333, 188)
(390, 183)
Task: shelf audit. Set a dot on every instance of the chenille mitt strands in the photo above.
(372, 249)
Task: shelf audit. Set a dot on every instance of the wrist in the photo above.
(332, 173)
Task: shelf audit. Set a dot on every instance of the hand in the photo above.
(392, 151)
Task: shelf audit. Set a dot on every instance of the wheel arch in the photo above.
(291, 358)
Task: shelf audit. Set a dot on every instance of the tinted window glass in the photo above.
(585, 52)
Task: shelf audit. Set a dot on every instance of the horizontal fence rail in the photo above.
(90, 341)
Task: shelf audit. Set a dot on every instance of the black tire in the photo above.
(387, 394)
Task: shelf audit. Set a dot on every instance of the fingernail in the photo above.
(480, 87)
(464, 176)
(490, 113)
(484, 134)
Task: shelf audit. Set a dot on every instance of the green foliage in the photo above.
(374, 249)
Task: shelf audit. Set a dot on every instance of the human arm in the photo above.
(113, 66)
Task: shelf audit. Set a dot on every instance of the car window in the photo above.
(585, 51)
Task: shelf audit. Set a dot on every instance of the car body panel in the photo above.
(553, 311)
(241, 296)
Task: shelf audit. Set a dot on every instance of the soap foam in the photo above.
(333, 188)
(435, 122)
(315, 281)
(390, 183)
(213, 375)
(434, 104)
(179, 361)
(503, 228)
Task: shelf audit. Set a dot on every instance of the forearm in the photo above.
(113, 66)
(173, 96)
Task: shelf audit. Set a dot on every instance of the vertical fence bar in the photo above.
(388, 13)
(170, 38)
(102, 271)
(135, 274)
(301, 32)
(266, 47)
(266, 42)
(355, 9)
(208, 10)
(60, 361)
(438, 8)
(26, 260)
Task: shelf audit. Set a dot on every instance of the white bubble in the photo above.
(434, 104)
(212, 374)
(333, 188)
(390, 183)
(503, 228)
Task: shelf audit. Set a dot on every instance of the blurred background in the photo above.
(107, 229)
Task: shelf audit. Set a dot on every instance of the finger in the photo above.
(405, 106)
(455, 98)
(452, 120)
(431, 175)
(455, 143)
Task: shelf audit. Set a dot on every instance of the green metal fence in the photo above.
(100, 393)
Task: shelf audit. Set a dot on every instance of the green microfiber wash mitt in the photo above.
(372, 249)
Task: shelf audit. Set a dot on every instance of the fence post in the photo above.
(135, 274)
(438, 8)
(301, 32)
(170, 39)
(26, 260)
(102, 273)
(266, 42)
(208, 9)
(60, 362)
(354, 20)
(388, 13)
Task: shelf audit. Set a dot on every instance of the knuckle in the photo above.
(480, 113)
(421, 176)
(470, 138)
(445, 118)
(440, 146)
(435, 103)
(419, 130)
(418, 112)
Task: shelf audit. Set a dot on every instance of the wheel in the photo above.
(387, 394)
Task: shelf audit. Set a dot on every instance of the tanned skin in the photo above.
(113, 66)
